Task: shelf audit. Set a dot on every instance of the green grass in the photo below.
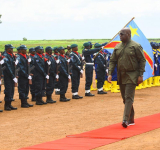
(53, 43)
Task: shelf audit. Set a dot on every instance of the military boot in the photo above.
(12, 108)
(24, 103)
(49, 99)
(7, 106)
(63, 98)
(33, 98)
(38, 100)
(30, 105)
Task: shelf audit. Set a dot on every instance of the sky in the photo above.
(76, 19)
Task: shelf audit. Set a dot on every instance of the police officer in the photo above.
(24, 76)
(56, 57)
(130, 61)
(77, 70)
(32, 86)
(40, 75)
(9, 76)
(101, 69)
(51, 71)
(44, 85)
(64, 75)
(89, 66)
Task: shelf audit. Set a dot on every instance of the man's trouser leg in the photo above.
(128, 92)
(89, 76)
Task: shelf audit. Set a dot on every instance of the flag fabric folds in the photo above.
(139, 37)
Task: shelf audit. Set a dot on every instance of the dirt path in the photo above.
(26, 127)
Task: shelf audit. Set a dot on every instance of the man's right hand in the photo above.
(15, 80)
(110, 79)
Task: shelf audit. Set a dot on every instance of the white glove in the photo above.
(68, 60)
(30, 77)
(29, 60)
(106, 57)
(93, 67)
(16, 62)
(0, 82)
(47, 76)
(94, 54)
(15, 80)
(102, 47)
(81, 71)
(57, 61)
(57, 76)
(69, 77)
(83, 58)
(49, 62)
(106, 70)
(2, 62)
(156, 65)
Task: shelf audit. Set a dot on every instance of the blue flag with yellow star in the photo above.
(139, 37)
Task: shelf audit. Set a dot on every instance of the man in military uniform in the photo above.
(64, 75)
(9, 76)
(32, 86)
(87, 52)
(44, 85)
(51, 71)
(100, 69)
(68, 51)
(56, 57)
(77, 70)
(24, 76)
(129, 58)
(40, 75)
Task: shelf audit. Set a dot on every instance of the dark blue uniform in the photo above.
(40, 75)
(89, 67)
(76, 68)
(52, 74)
(63, 74)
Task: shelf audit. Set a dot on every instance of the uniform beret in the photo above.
(54, 48)
(60, 48)
(90, 43)
(74, 45)
(9, 46)
(97, 45)
(23, 47)
(18, 48)
(48, 48)
(31, 49)
(38, 47)
(86, 44)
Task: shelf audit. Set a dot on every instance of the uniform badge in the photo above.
(37, 60)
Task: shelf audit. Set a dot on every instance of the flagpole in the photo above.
(113, 38)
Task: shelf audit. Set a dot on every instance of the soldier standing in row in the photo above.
(32, 86)
(77, 70)
(100, 69)
(68, 51)
(51, 71)
(56, 57)
(130, 61)
(64, 75)
(87, 52)
(9, 77)
(23, 80)
(40, 75)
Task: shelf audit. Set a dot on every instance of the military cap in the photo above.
(90, 43)
(23, 47)
(86, 44)
(60, 48)
(38, 47)
(74, 45)
(9, 46)
(54, 48)
(18, 48)
(97, 45)
(31, 49)
(48, 48)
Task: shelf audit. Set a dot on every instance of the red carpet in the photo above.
(103, 136)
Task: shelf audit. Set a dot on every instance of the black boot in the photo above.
(6, 106)
(89, 94)
(24, 103)
(63, 98)
(49, 99)
(12, 108)
(57, 92)
(30, 105)
(33, 98)
(12, 99)
(102, 92)
(1, 110)
(75, 97)
(39, 100)
(0, 101)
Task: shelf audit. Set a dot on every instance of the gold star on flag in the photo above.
(133, 31)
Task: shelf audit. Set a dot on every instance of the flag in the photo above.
(139, 37)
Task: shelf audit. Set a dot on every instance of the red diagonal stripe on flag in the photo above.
(112, 44)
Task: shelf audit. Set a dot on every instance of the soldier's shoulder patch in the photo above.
(37, 60)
